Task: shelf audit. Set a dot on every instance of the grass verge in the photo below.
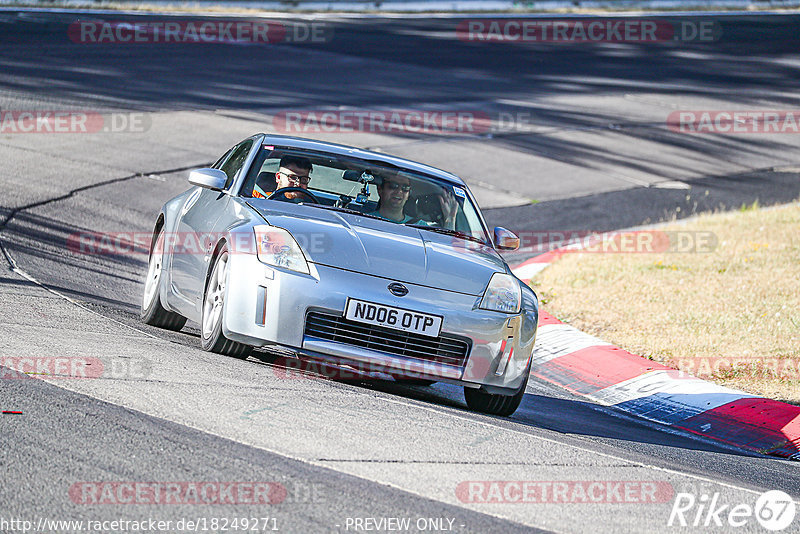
(731, 315)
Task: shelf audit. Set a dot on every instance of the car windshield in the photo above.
(377, 189)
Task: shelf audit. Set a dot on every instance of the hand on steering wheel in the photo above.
(278, 193)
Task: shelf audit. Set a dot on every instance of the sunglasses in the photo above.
(394, 186)
(295, 178)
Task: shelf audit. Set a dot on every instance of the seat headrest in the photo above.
(266, 181)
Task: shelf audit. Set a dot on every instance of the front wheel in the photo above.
(494, 404)
(213, 340)
(152, 312)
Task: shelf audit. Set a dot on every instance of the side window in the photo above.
(235, 161)
(221, 159)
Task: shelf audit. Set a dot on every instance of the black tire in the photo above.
(494, 404)
(211, 337)
(152, 311)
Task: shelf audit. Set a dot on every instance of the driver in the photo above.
(293, 171)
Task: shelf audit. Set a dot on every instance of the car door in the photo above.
(195, 237)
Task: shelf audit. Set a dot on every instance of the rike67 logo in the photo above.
(773, 510)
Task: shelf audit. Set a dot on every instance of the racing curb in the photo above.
(592, 368)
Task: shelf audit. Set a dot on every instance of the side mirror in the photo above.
(505, 239)
(213, 179)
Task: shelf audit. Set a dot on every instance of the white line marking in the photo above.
(699, 393)
(556, 340)
(30, 278)
(526, 272)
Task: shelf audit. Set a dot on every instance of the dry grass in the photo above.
(700, 312)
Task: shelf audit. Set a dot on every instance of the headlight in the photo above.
(275, 246)
(503, 294)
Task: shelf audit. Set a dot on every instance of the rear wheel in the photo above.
(213, 340)
(152, 312)
(494, 404)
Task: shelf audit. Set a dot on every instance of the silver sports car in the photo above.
(348, 256)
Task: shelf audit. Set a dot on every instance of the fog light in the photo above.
(261, 306)
(507, 344)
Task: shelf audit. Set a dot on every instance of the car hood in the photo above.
(385, 249)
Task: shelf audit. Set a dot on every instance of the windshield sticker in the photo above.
(459, 192)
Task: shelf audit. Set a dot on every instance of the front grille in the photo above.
(448, 350)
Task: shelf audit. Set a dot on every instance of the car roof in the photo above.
(344, 150)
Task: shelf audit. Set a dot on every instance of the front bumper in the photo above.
(266, 306)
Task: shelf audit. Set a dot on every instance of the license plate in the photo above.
(391, 317)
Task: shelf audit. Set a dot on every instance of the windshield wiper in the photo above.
(447, 231)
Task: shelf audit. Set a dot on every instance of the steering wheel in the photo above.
(283, 190)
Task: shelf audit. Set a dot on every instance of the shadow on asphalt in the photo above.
(388, 62)
(562, 415)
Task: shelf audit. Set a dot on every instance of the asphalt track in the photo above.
(595, 154)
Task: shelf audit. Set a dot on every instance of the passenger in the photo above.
(394, 193)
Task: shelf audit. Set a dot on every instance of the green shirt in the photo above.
(376, 213)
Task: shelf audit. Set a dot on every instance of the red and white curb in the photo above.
(590, 367)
